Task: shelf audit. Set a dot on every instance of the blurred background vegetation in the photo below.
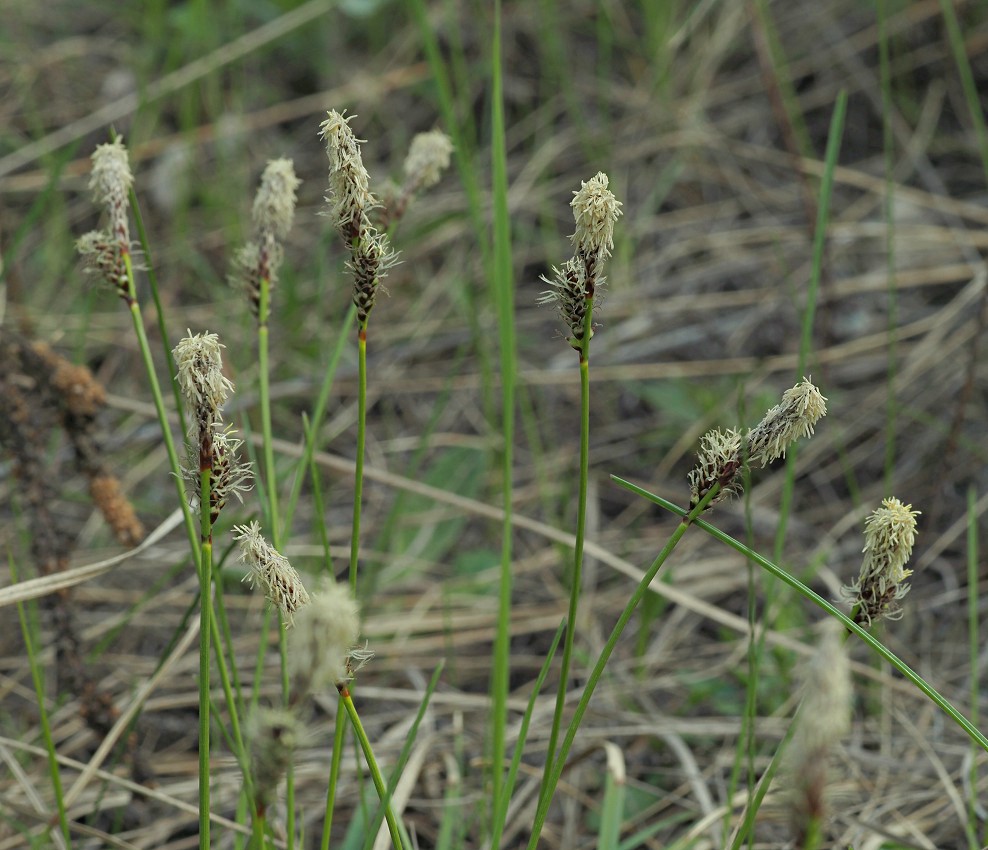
(711, 120)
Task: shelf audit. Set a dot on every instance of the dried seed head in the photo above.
(271, 570)
(890, 533)
(801, 408)
(274, 204)
(718, 461)
(273, 734)
(428, 157)
(119, 513)
(595, 209)
(200, 372)
(825, 717)
(321, 649)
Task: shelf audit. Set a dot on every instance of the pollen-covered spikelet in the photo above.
(271, 571)
(274, 209)
(107, 251)
(723, 454)
(575, 286)
(428, 157)
(349, 203)
(890, 533)
(322, 649)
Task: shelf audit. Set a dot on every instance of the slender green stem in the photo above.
(166, 434)
(205, 632)
(942, 702)
(264, 390)
(257, 831)
(501, 813)
(358, 483)
(581, 527)
(318, 412)
(39, 689)
(334, 776)
(375, 771)
(156, 297)
(559, 765)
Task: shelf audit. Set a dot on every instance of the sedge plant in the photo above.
(575, 290)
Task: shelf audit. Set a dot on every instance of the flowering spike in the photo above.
(272, 571)
(428, 157)
(321, 650)
(350, 200)
(801, 408)
(890, 533)
(106, 251)
(576, 285)
(723, 455)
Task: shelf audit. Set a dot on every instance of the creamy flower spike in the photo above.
(258, 260)
(107, 252)
(428, 157)
(322, 649)
(271, 571)
(200, 370)
(574, 286)
(349, 201)
(890, 533)
(723, 454)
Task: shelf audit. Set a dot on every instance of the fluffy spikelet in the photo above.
(271, 571)
(350, 201)
(825, 717)
(274, 209)
(596, 210)
(273, 735)
(723, 454)
(574, 286)
(274, 204)
(321, 649)
(718, 461)
(801, 408)
(428, 157)
(200, 371)
(350, 198)
(890, 533)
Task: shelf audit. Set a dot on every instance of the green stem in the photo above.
(581, 527)
(264, 389)
(39, 688)
(375, 771)
(166, 434)
(205, 632)
(358, 483)
(942, 702)
(334, 775)
(556, 770)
